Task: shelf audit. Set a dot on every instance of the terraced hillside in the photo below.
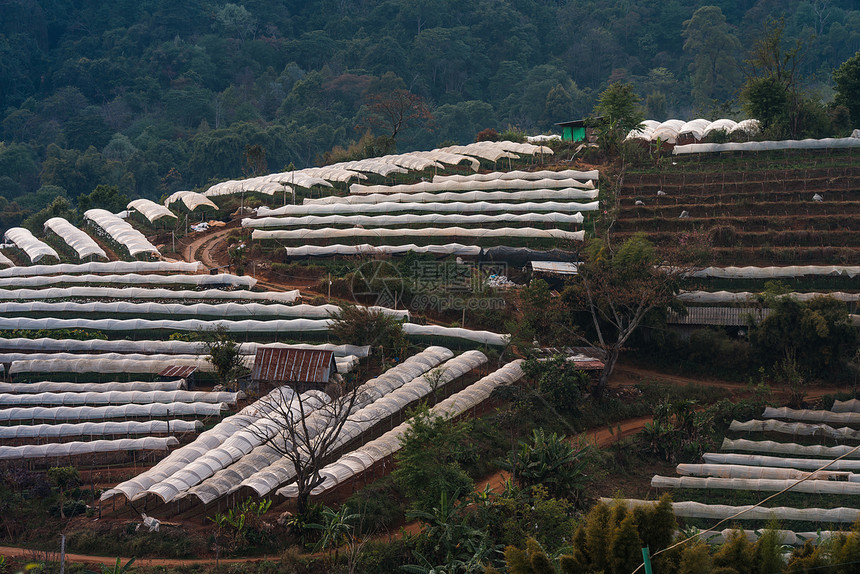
(757, 208)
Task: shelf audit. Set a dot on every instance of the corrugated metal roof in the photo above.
(293, 365)
(554, 267)
(724, 316)
(178, 371)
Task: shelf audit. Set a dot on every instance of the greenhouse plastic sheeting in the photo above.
(235, 447)
(367, 250)
(252, 185)
(802, 429)
(411, 219)
(758, 485)
(75, 387)
(221, 280)
(129, 364)
(719, 511)
(222, 310)
(376, 450)
(191, 200)
(229, 479)
(35, 451)
(96, 267)
(206, 441)
(778, 461)
(365, 418)
(150, 210)
(745, 296)
(132, 293)
(73, 399)
(849, 406)
(330, 173)
(484, 337)
(382, 233)
(129, 325)
(25, 241)
(155, 410)
(121, 232)
(469, 185)
(826, 143)
(739, 471)
(432, 207)
(522, 175)
(165, 347)
(80, 242)
(846, 418)
(769, 446)
(113, 428)
(467, 196)
(776, 272)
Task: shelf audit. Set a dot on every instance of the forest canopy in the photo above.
(156, 96)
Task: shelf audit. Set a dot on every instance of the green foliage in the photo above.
(551, 461)
(243, 525)
(428, 461)
(103, 197)
(678, 431)
(360, 325)
(816, 333)
(223, 353)
(559, 381)
(847, 80)
(712, 48)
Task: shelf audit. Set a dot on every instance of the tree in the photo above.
(614, 291)
(64, 478)
(370, 326)
(223, 354)
(235, 19)
(549, 460)
(396, 110)
(711, 47)
(847, 80)
(771, 93)
(427, 462)
(103, 196)
(559, 381)
(255, 160)
(817, 334)
(305, 429)
(619, 107)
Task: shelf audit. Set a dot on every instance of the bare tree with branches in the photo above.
(304, 429)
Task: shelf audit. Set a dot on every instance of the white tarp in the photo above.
(49, 345)
(388, 207)
(843, 488)
(91, 398)
(121, 232)
(25, 241)
(384, 233)
(746, 296)
(112, 428)
(132, 325)
(849, 406)
(140, 293)
(466, 185)
(826, 143)
(220, 280)
(483, 337)
(367, 250)
(75, 387)
(776, 272)
(191, 200)
(221, 310)
(80, 242)
(56, 450)
(772, 447)
(846, 418)
(97, 267)
(592, 175)
(741, 471)
(848, 465)
(782, 513)
(150, 210)
(154, 410)
(412, 219)
(423, 197)
(802, 429)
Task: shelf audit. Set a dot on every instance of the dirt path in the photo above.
(204, 246)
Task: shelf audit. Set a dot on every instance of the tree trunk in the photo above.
(608, 366)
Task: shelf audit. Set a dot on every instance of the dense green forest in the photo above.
(152, 96)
